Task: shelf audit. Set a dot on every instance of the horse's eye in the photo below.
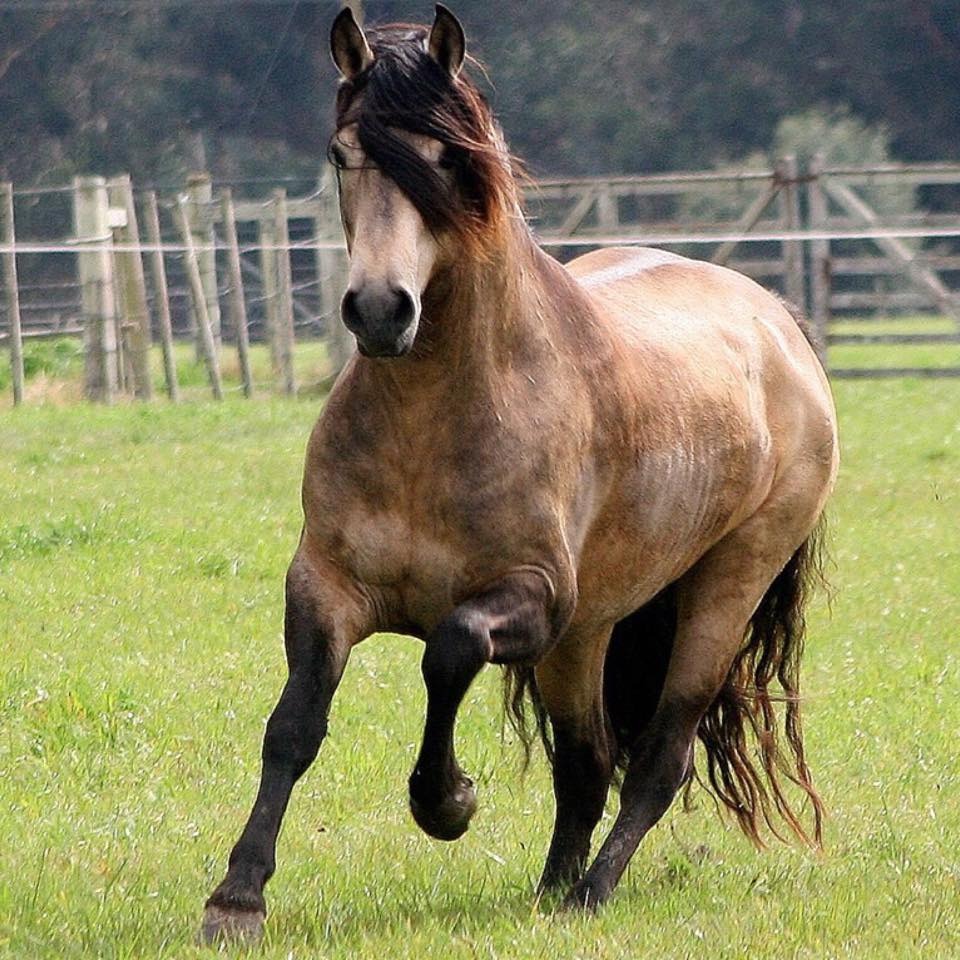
(447, 160)
(337, 157)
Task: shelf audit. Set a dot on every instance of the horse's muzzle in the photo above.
(384, 320)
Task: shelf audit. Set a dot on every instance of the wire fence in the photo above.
(834, 240)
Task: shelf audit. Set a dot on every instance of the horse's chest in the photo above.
(422, 524)
(428, 541)
(389, 548)
(414, 569)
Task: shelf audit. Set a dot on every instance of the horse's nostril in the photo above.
(381, 317)
(369, 308)
(405, 309)
(349, 310)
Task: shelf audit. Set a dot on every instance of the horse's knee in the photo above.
(316, 656)
(457, 650)
(295, 730)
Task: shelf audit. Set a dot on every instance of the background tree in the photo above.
(621, 86)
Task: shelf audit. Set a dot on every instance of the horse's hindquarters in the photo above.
(718, 402)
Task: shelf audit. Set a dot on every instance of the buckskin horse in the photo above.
(606, 477)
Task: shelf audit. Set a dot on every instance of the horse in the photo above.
(606, 477)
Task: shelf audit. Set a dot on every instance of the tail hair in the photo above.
(752, 787)
(813, 335)
(519, 689)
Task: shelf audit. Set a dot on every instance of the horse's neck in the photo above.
(484, 318)
(485, 312)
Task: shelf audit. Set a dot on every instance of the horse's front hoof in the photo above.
(449, 819)
(231, 925)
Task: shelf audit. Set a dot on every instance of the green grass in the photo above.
(895, 355)
(142, 552)
(54, 370)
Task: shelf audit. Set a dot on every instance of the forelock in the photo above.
(405, 89)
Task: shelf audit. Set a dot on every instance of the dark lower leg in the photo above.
(286, 755)
(442, 797)
(657, 771)
(582, 768)
(293, 736)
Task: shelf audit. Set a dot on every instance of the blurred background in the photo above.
(243, 89)
(811, 144)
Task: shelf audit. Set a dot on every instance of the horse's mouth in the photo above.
(386, 349)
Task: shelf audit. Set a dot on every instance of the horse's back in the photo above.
(665, 295)
(701, 320)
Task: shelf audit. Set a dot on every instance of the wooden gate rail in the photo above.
(754, 220)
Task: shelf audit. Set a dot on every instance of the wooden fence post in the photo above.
(817, 213)
(159, 271)
(238, 308)
(8, 238)
(285, 334)
(135, 321)
(267, 238)
(794, 284)
(95, 267)
(332, 274)
(200, 211)
(608, 216)
(207, 343)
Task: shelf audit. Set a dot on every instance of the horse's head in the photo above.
(423, 174)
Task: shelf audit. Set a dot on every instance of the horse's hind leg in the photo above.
(600, 692)
(570, 683)
(509, 622)
(715, 602)
(321, 624)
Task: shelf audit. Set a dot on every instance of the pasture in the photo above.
(142, 552)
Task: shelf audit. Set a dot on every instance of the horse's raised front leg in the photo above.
(321, 624)
(511, 621)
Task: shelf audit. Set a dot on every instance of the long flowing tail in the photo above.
(765, 673)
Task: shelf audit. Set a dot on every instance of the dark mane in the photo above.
(406, 89)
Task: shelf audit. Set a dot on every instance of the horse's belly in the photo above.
(661, 516)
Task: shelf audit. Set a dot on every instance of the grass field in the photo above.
(142, 552)
(899, 355)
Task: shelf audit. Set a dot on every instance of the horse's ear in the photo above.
(447, 43)
(348, 46)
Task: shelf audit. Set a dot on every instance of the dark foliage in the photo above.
(615, 86)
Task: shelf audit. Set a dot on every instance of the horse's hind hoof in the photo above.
(449, 819)
(231, 925)
(583, 897)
